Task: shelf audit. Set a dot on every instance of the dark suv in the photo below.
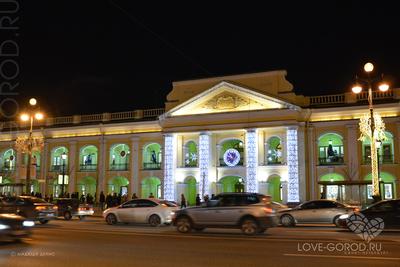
(69, 207)
(29, 207)
(251, 212)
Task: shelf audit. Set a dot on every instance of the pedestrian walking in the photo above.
(151, 195)
(183, 201)
(134, 196)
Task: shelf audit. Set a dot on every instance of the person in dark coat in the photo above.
(134, 196)
(102, 200)
(109, 200)
(183, 201)
(198, 200)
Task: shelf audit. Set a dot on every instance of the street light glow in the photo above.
(32, 101)
(24, 117)
(39, 116)
(356, 89)
(368, 67)
(384, 87)
(64, 156)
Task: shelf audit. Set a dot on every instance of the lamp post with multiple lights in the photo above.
(372, 126)
(30, 116)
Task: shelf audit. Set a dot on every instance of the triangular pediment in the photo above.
(228, 97)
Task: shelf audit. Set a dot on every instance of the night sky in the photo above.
(80, 57)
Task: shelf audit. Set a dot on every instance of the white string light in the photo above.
(169, 159)
(293, 165)
(251, 161)
(204, 162)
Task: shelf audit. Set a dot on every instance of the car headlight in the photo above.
(4, 226)
(172, 213)
(344, 216)
(28, 223)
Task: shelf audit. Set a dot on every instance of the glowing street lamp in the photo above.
(28, 145)
(372, 127)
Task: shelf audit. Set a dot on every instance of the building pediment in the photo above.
(228, 97)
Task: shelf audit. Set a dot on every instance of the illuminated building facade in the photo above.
(247, 132)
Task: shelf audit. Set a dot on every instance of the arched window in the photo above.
(231, 153)
(387, 185)
(151, 187)
(118, 185)
(86, 185)
(331, 186)
(331, 151)
(274, 151)
(119, 157)
(190, 154)
(7, 160)
(88, 158)
(385, 150)
(152, 156)
(57, 161)
(230, 184)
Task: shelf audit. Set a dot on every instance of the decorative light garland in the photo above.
(169, 159)
(293, 165)
(251, 161)
(378, 134)
(204, 162)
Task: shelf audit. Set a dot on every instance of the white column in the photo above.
(293, 165)
(102, 166)
(251, 160)
(169, 166)
(261, 148)
(351, 150)
(204, 163)
(312, 162)
(44, 157)
(301, 163)
(72, 167)
(134, 167)
(20, 177)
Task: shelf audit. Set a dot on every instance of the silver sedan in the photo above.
(152, 211)
(316, 211)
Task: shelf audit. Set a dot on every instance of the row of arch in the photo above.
(331, 149)
(88, 156)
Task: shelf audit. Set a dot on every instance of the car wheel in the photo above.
(336, 221)
(287, 220)
(154, 220)
(183, 225)
(43, 221)
(249, 226)
(67, 215)
(111, 219)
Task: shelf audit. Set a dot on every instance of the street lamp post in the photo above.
(372, 126)
(63, 157)
(30, 144)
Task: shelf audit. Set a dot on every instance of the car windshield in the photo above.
(168, 203)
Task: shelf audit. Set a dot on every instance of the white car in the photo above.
(142, 210)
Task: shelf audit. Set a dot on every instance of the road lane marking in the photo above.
(219, 236)
(341, 257)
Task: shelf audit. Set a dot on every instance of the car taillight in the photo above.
(55, 207)
(40, 207)
(356, 209)
(267, 210)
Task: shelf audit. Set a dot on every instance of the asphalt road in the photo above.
(93, 243)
